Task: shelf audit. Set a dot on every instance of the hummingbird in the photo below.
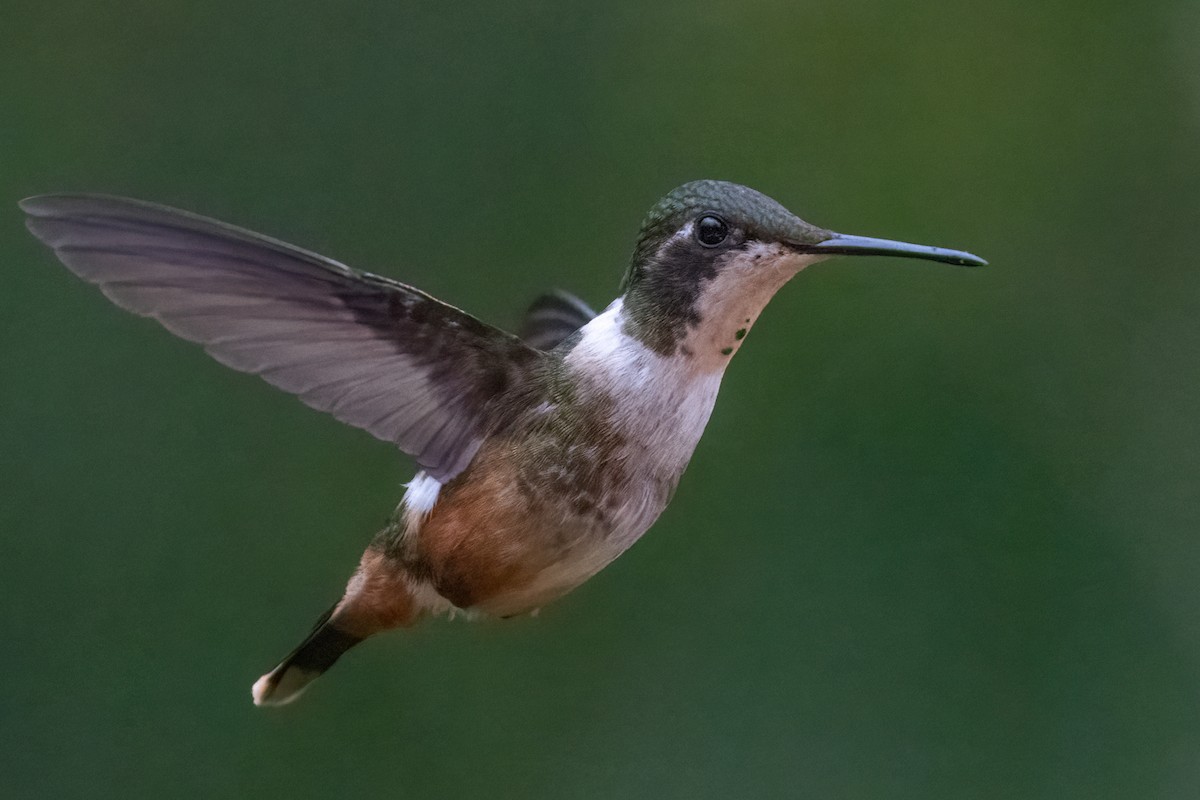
(542, 456)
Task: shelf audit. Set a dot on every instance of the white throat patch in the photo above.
(730, 303)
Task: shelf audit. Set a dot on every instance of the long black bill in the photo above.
(841, 245)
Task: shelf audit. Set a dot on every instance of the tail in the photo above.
(305, 664)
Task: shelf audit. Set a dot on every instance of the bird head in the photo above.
(712, 253)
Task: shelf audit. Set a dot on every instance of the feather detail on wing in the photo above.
(553, 317)
(375, 353)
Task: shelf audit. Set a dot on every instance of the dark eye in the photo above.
(711, 231)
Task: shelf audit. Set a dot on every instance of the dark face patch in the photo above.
(661, 305)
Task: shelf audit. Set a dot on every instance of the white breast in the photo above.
(663, 402)
(661, 406)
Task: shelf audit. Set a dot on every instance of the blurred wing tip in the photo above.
(39, 204)
(54, 203)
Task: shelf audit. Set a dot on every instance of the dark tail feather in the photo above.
(305, 664)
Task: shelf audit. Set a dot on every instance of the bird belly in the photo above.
(510, 535)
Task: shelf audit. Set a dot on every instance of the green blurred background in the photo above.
(942, 538)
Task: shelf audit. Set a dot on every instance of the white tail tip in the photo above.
(274, 689)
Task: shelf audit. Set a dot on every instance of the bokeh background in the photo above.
(942, 538)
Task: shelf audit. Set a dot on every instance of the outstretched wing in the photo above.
(375, 353)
